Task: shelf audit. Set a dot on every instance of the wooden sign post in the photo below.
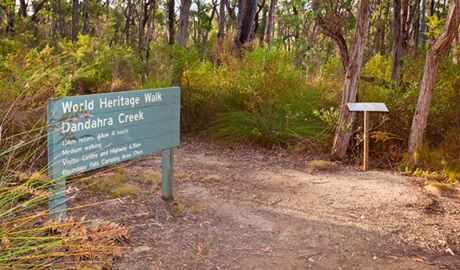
(366, 108)
(93, 131)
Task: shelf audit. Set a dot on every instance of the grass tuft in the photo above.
(125, 190)
(321, 166)
(211, 178)
(152, 176)
(196, 208)
(180, 175)
(439, 189)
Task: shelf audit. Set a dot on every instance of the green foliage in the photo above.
(105, 68)
(332, 118)
(434, 24)
(331, 82)
(261, 98)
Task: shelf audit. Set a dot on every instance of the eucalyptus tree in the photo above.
(335, 20)
(440, 47)
(203, 16)
(397, 51)
(182, 28)
(221, 24)
(171, 21)
(246, 21)
(353, 68)
(270, 22)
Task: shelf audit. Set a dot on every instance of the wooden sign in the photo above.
(92, 131)
(366, 107)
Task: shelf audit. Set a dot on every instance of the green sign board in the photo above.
(92, 131)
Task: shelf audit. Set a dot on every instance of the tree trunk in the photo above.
(231, 13)
(9, 10)
(342, 137)
(405, 23)
(171, 21)
(22, 8)
(85, 18)
(74, 20)
(37, 7)
(221, 29)
(433, 56)
(415, 30)
(255, 28)
(239, 19)
(204, 40)
(396, 66)
(182, 29)
(247, 22)
(423, 23)
(129, 13)
(149, 36)
(270, 22)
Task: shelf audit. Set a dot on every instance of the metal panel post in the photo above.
(167, 174)
(366, 141)
(57, 199)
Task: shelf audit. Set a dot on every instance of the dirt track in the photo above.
(258, 209)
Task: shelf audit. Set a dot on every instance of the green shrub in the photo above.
(261, 97)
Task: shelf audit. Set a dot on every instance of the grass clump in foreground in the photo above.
(125, 190)
(28, 239)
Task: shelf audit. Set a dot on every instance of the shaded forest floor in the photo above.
(257, 209)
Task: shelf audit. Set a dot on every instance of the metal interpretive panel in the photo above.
(367, 107)
(92, 131)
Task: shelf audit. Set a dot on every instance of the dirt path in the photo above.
(255, 209)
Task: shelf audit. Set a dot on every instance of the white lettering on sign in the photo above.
(149, 97)
(89, 156)
(125, 156)
(70, 106)
(121, 132)
(85, 125)
(138, 153)
(69, 142)
(94, 164)
(75, 170)
(85, 139)
(72, 151)
(102, 136)
(70, 161)
(119, 101)
(135, 145)
(110, 160)
(93, 146)
(123, 118)
(118, 150)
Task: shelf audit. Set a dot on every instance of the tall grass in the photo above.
(28, 239)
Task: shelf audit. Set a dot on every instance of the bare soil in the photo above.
(245, 208)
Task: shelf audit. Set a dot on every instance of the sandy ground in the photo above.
(243, 208)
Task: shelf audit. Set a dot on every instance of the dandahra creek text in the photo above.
(87, 106)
